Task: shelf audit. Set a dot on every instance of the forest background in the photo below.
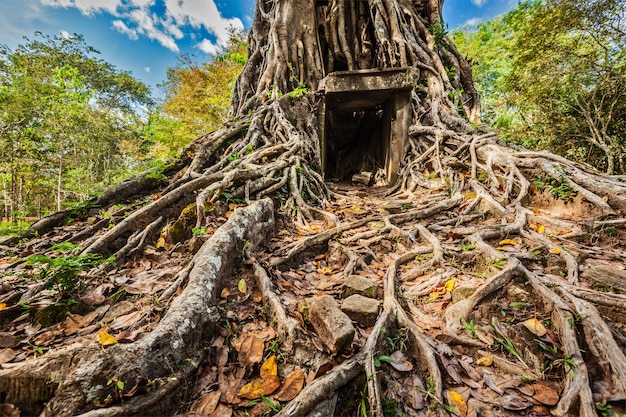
(552, 75)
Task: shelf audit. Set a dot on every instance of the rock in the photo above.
(363, 177)
(361, 309)
(356, 284)
(332, 325)
(515, 293)
(461, 293)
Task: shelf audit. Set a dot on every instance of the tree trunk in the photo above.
(476, 248)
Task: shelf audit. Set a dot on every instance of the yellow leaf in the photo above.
(450, 285)
(327, 270)
(470, 195)
(555, 251)
(3, 306)
(508, 242)
(160, 243)
(356, 208)
(535, 327)
(269, 367)
(486, 360)
(106, 339)
(242, 286)
(456, 400)
(541, 228)
(292, 386)
(258, 387)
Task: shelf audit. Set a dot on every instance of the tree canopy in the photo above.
(552, 75)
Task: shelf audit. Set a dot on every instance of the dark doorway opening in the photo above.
(357, 134)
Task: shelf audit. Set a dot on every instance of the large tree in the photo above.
(334, 90)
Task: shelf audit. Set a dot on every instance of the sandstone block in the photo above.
(356, 284)
(361, 309)
(332, 325)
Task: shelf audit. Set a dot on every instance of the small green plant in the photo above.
(392, 408)
(438, 30)
(609, 231)
(273, 349)
(298, 91)
(468, 246)
(397, 340)
(605, 410)
(469, 327)
(378, 360)
(506, 343)
(64, 247)
(497, 263)
(199, 231)
(61, 273)
(568, 365)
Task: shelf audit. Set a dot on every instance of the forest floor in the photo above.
(512, 361)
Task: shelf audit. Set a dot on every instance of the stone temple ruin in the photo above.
(364, 122)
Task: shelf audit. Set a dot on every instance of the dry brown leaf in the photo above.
(222, 411)
(209, 403)
(128, 336)
(545, 394)
(126, 320)
(400, 362)
(7, 355)
(515, 403)
(292, 386)
(269, 367)
(258, 387)
(535, 327)
(251, 350)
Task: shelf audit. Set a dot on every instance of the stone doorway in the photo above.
(365, 119)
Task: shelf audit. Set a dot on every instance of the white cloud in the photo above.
(137, 18)
(122, 28)
(147, 69)
(208, 47)
(65, 34)
(472, 22)
(479, 3)
(86, 7)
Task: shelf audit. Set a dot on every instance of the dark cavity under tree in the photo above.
(460, 187)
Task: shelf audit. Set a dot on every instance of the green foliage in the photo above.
(61, 274)
(552, 75)
(198, 94)
(66, 115)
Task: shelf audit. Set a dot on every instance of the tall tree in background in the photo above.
(65, 116)
(197, 98)
(554, 73)
(457, 209)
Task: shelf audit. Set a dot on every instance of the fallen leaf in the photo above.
(258, 387)
(555, 251)
(400, 362)
(7, 355)
(269, 367)
(545, 394)
(456, 400)
(292, 386)
(242, 286)
(222, 411)
(209, 403)
(515, 403)
(508, 242)
(3, 306)
(535, 327)
(126, 320)
(486, 360)
(449, 285)
(541, 229)
(160, 243)
(106, 339)
(251, 350)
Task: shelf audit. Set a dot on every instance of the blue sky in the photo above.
(146, 36)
